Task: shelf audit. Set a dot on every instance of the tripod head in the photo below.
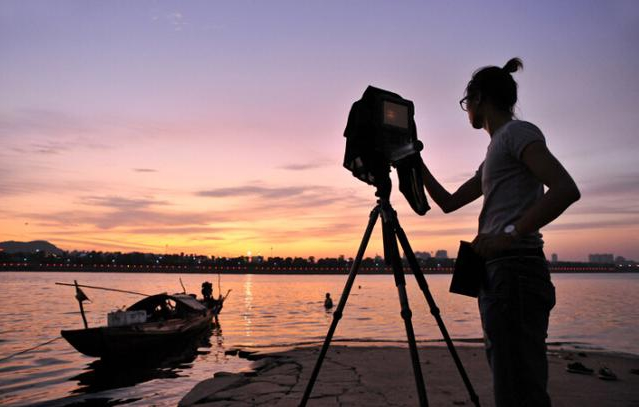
(389, 220)
(384, 188)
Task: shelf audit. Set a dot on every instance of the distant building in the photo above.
(622, 261)
(554, 258)
(601, 258)
(441, 254)
(423, 255)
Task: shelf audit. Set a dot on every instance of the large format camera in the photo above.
(381, 132)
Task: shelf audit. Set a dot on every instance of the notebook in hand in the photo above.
(469, 270)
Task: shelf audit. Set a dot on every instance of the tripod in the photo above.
(391, 231)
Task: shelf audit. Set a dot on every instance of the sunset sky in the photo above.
(215, 127)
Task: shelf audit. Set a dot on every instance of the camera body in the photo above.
(381, 133)
(381, 130)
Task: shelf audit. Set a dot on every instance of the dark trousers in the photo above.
(515, 302)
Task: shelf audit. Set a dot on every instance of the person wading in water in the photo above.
(516, 294)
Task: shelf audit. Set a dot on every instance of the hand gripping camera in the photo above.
(381, 132)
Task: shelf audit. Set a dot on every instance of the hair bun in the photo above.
(513, 65)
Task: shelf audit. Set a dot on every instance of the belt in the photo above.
(530, 252)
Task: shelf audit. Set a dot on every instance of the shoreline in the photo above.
(382, 375)
(123, 269)
(373, 343)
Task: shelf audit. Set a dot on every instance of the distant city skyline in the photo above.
(212, 127)
(47, 248)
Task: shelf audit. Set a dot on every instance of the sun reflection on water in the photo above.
(248, 306)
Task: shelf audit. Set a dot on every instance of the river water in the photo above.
(597, 311)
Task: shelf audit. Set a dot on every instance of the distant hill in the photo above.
(29, 247)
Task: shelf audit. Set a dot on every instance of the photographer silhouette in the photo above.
(516, 294)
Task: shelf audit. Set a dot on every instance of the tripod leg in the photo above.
(434, 310)
(337, 314)
(398, 272)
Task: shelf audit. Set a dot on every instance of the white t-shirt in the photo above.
(508, 186)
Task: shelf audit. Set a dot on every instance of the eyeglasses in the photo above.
(465, 101)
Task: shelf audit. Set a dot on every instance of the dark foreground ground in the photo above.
(383, 376)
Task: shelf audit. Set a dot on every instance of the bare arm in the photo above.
(465, 194)
(562, 190)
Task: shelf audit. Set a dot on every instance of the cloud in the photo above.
(58, 147)
(603, 224)
(42, 131)
(15, 185)
(330, 231)
(111, 212)
(43, 148)
(287, 201)
(120, 203)
(253, 190)
(180, 230)
(17, 188)
(613, 186)
(120, 218)
(175, 19)
(467, 231)
(106, 244)
(48, 131)
(145, 170)
(304, 166)
(207, 238)
(619, 207)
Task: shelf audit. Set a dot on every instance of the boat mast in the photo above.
(80, 296)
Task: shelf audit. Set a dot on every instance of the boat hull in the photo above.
(135, 340)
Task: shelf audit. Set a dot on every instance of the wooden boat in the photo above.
(160, 321)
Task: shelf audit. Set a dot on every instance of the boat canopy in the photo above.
(181, 300)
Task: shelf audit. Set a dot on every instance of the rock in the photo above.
(284, 370)
(225, 403)
(284, 380)
(208, 388)
(263, 388)
(244, 354)
(362, 398)
(224, 374)
(263, 363)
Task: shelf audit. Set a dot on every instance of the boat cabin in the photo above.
(162, 307)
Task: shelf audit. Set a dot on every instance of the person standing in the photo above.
(516, 294)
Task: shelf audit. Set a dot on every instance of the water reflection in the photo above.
(263, 311)
(101, 375)
(248, 305)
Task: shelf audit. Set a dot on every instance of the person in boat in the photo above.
(207, 291)
(516, 294)
(162, 312)
(328, 301)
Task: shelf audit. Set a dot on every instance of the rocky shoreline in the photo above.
(383, 376)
